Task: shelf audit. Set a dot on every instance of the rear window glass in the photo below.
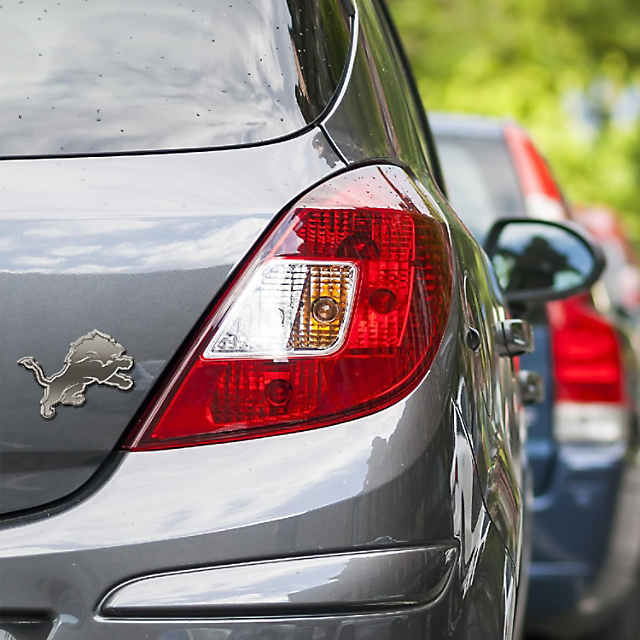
(481, 181)
(81, 76)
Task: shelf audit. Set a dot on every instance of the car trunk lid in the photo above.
(134, 247)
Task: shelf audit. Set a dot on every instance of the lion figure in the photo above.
(95, 358)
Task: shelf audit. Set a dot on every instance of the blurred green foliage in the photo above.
(525, 59)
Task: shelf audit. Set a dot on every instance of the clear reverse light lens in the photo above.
(290, 307)
(590, 423)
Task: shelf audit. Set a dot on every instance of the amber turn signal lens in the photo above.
(325, 310)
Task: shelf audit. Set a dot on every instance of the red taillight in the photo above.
(534, 174)
(541, 193)
(587, 359)
(337, 314)
(591, 401)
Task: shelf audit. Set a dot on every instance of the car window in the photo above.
(99, 77)
(480, 179)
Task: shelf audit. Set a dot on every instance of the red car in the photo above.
(622, 273)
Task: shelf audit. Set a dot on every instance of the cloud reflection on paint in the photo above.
(125, 246)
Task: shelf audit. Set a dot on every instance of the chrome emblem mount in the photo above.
(95, 358)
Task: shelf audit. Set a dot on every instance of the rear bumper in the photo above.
(318, 535)
(584, 560)
(394, 593)
(445, 615)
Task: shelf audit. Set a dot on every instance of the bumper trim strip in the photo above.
(339, 582)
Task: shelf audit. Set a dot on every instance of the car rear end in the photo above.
(231, 361)
(585, 477)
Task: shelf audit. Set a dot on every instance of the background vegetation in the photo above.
(569, 70)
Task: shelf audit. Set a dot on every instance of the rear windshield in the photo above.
(82, 76)
(481, 181)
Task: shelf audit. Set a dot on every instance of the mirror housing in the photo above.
(531, 387)
(540, 260)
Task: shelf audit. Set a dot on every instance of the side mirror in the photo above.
(540, 260)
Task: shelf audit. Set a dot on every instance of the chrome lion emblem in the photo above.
(95, 358)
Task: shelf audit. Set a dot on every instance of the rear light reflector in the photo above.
(576, 422)
(336, 314)
(591, 403)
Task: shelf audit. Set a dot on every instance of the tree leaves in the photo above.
(529, 59)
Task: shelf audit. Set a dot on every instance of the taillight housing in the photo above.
(590, 393)
(587, 358)
(336, 314)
